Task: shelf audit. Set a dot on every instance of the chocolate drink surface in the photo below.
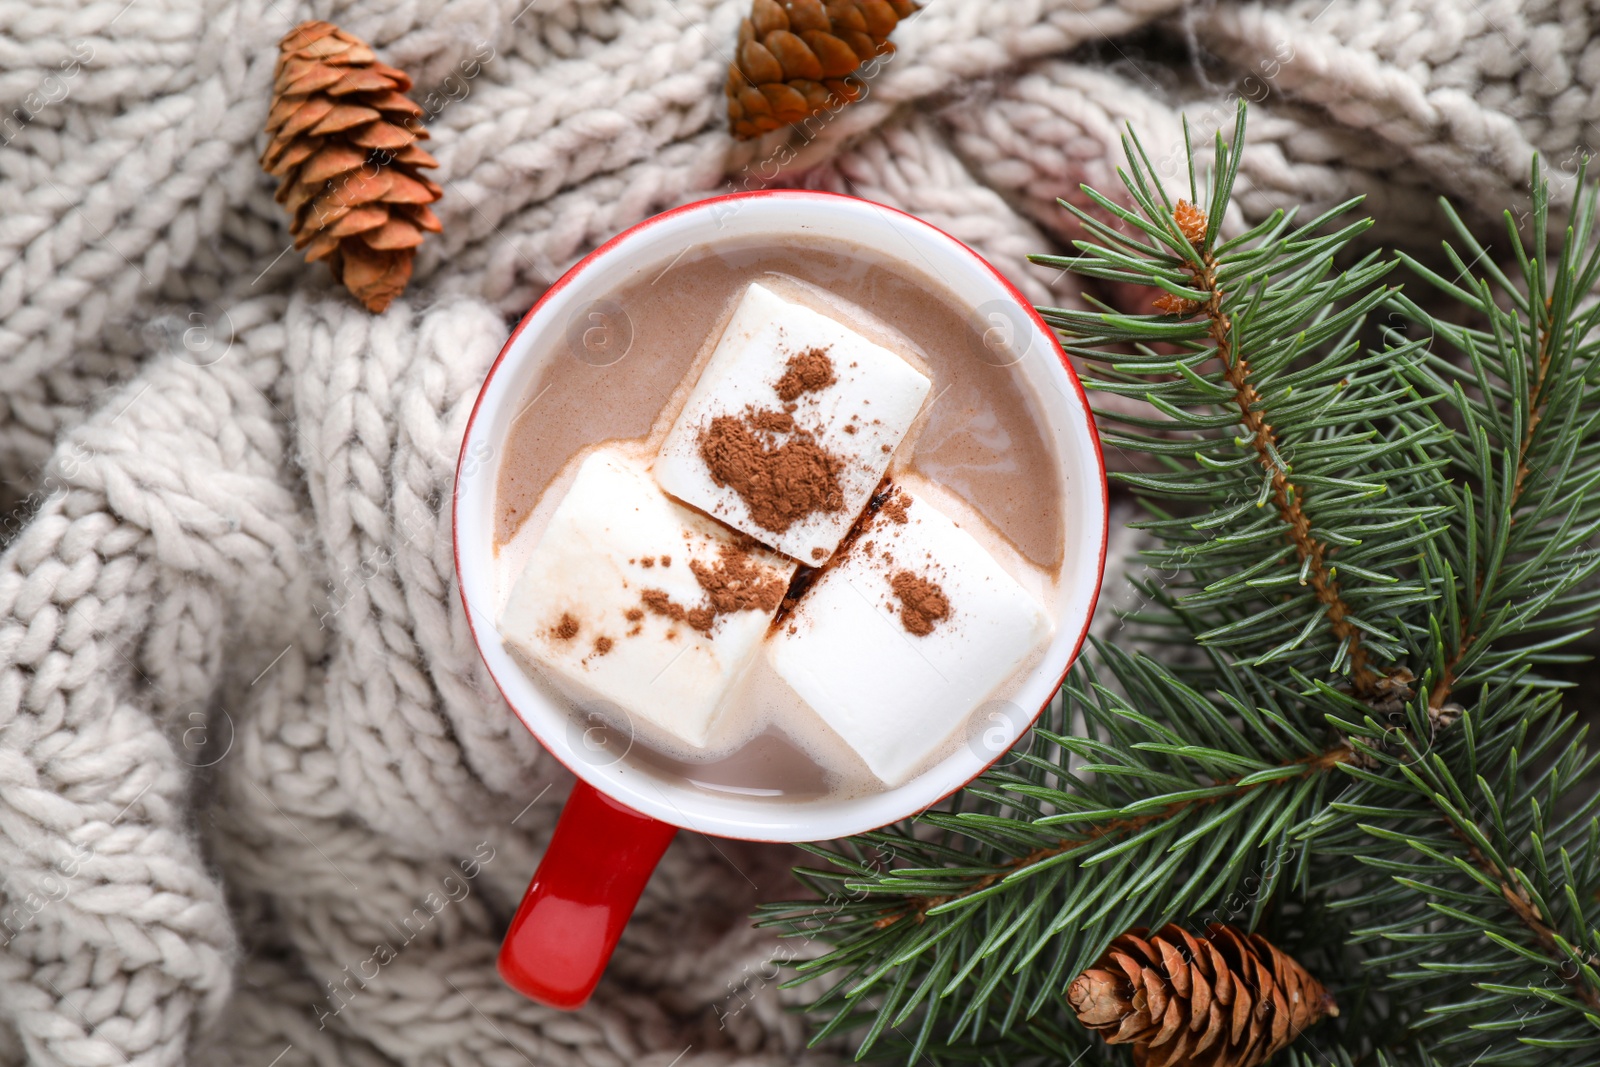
(977, 447)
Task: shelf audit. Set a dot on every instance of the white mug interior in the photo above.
(1066, 426)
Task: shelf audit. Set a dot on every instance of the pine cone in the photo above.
(344, 146)
(795, 58)
(1222, 1000)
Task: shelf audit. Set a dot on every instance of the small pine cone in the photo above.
(1191, 222)
(795, 58)
(1222, 1000)
(344, 146)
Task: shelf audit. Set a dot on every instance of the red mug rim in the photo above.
(803, 195)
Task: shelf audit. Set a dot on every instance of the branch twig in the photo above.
(1528, 914)
(918, 907)
(1465, 638)
(1288, 498)
(1516, 897)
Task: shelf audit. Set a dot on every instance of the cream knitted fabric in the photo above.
(258, 803)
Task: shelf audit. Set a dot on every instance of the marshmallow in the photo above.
(634, 598)
(913, 627)
(790, 426)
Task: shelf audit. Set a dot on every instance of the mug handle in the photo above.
(587, 885)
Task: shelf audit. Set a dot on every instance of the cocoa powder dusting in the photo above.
(779, 484)
(566, 628)
(922, 602)
(807, 372)
(602, 645)
(772, 421)
(734, 583)
(738, 583)
(895, 508)
(660, 603)
(634, 615)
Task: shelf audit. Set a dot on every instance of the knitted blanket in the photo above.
(259, 803)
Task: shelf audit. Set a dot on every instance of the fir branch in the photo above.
(1536, 406)
(1513, 363)
(1288, 498)
(1549, 941)
(1165, 787)
(1427, 553)
(1506, 951)
(1516, 564)
(1263, 398)
(917, 907)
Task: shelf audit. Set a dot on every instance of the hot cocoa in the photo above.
(805, 520)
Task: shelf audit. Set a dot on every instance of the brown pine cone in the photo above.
(343, 143)
(795, 58)
(1222, 1000)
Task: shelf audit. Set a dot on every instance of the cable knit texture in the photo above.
(245, 739)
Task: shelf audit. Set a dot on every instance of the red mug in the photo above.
(622, 813)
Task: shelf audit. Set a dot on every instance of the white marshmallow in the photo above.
(589, 566)
(893, 695)
(877, 395)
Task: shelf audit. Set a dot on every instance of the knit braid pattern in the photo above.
(260, 805)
